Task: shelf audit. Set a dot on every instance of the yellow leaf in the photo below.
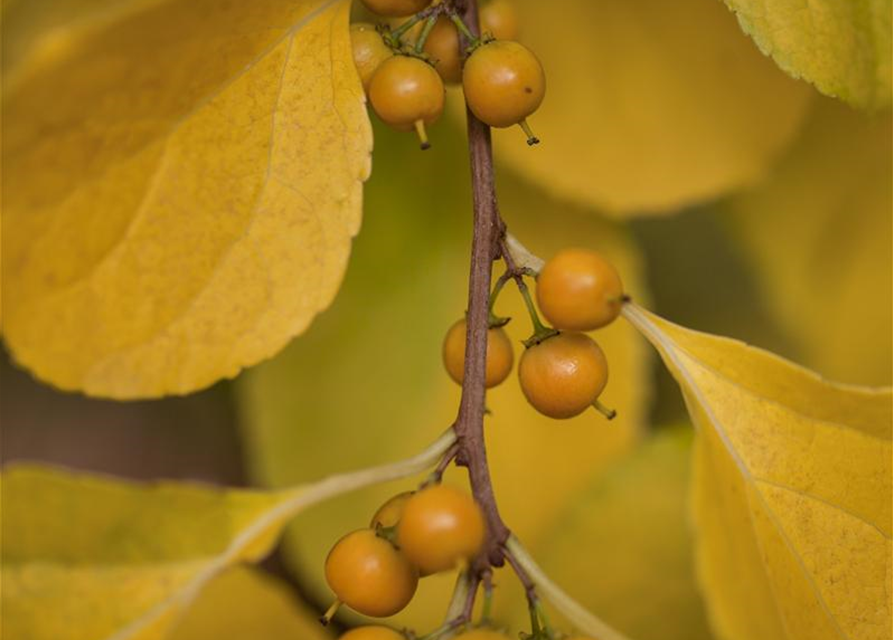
(87, 557)
(368, 384)
(182, 181)
(832, 289)
(840, 46)
(623, 548)
(243, 604)
(650, 105)
(792, 490)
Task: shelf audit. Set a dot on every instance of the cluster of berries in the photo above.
(562, 371)
(375, 571)
(404, 69)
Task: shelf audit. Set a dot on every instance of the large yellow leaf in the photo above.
(244, 604)
(368, 383)
(87, 557)
(840, 46)
(182, 180)
(792, 491)
(623, 548)
(651, 105)
(832, 289)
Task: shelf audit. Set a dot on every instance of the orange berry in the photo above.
(407, 93)
(504, 83)
(563, 375)
(578, 290)
(389, 514)
(500, 354)
(499, 18)
(442, 46)
(369, 51)
(440, 527)
(369, 575)
(372, 633)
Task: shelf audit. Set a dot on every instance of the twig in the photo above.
(469, 426)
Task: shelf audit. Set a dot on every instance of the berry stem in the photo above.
(531, 138)
(497, 321)
(540, 331)
(423, 135)
(426, 31)
(463, 28)
(609, 413)
(400, 31)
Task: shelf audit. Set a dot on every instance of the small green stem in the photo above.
(460, 25)
(495, 320)
(400, 31)
(609, 413)
(540, 331)
(534, 620)
(487, 605)
(426, 31)
(541, 612)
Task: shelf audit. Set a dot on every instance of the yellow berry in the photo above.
(407, 93)
(440, 527)
(442, 46)
(504, 83)
(563, 375)
(499, 18)
(500, 354)
(369, 575)
(389, 514)
(369, 51)
(578, 290)
(372, 633)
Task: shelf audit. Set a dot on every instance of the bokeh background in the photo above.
(734, 200)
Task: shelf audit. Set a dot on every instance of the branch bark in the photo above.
(485, 248)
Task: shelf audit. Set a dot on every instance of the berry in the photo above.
(407, 93)
(395, 8)
(442, 46)
(440, 527)
(372, 633)
(500, 355)
(389, 514)
(499, 18)
(578, 290)
(563, 375)
(369, 575)
(369, 51)
(504, 83)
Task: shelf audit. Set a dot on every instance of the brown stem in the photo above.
(485, 249)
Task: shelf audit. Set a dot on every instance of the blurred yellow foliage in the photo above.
(650, 105)
(623, 547)
(792, 491)
(818, 236)
(169, 217)
(244, 604)
(87, 557)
